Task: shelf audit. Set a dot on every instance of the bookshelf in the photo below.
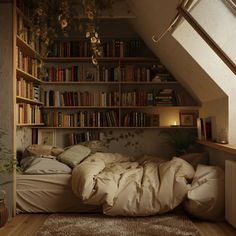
(127, 90)
(28, 84)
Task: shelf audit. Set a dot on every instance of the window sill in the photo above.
(218, 146)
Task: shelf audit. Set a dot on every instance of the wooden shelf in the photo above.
(109, 82)
(116, 107)
(26, 48)
(19, 11)
(27, 100)
(82, 82)
(101, 59)
(36, 124)
(120, 127)
(218, 146)
(81, 107)
(27, 76)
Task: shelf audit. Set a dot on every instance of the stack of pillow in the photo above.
(206, 195)
(46, 159)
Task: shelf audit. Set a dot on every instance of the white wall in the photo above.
(188, 57)
(217, 20)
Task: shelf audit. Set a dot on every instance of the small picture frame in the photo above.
(187, 119)
(47, 137)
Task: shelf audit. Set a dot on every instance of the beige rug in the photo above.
(97, 224)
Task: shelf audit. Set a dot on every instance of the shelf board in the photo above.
(35, 124)
(26, 48)
(81, 107)
(150, 82)
(109, 82)
(27, 100)
(120, 127)
(20, 12)
(116, 107)
(101, 59)
(27, 76)
(81, 82)
(218, 146)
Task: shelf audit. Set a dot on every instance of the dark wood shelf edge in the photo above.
(118, 127)
(218, 146)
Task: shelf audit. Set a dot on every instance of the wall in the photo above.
(7, 89)
(191, 60)
(221, 30)
(218, 110)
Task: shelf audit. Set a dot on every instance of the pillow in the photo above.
(95, 145)
(205, 199)
(38, 165)
(73, 155)
(196, 158)
(36, 149)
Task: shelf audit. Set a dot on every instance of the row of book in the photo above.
(104, 73)
(28, 90)
(79, 98)
(76, 138)
(140, 119)
(24, 32)
(138, 98)
(154, 97)
(81, 48)
(27, 64)
(168, 97)
(81, 119)
(121, 48)
(79, 73)
(28, 114)
(24, 7)
(99, 119)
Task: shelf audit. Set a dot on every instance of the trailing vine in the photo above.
(50, 19)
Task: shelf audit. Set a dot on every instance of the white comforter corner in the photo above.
(135, 188)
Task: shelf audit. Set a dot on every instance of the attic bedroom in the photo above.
(117, 117)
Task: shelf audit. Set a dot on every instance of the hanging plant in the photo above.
(51, 19)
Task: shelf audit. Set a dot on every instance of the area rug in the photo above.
(98, 224)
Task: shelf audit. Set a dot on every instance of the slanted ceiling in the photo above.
(152, 18)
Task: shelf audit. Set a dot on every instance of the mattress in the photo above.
(48, 193)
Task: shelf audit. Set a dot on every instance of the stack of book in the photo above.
(167, 97)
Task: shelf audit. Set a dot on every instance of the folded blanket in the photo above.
(123, 186)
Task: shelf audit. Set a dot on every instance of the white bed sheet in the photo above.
(47, 193)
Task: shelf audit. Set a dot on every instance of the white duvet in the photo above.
(123, 186)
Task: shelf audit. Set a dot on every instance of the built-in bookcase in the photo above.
(27, 59)
(130, 89)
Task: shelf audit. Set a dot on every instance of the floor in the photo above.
(27, 225)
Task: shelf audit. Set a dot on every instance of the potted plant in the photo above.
(7, 164)
(180, 140)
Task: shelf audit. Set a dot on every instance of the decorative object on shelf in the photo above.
(187, 118)
(50, 19)
(47, 137)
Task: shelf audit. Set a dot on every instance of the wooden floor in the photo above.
(27, 225)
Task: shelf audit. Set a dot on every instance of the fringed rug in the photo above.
(98, 224)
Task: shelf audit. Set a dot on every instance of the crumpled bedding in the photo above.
(124, 186)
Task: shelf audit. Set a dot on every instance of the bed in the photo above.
(90, 180)
(48, 193)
